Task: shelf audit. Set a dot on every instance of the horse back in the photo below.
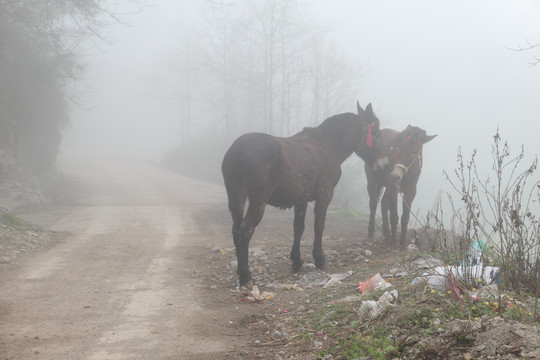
(280, 171)
(308, 165)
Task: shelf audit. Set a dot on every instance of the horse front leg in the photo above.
(321, 206)
(391, 203)
(374, 192)
(253, 216)
(408, 197)
(299, 225)
(385, 205)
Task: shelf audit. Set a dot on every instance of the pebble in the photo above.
(490, 349)
(17, 242)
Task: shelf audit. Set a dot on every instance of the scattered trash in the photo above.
(421, 263)
(256, 295)
(372, 308)
(285, 286)
(389, 298)
(332, 282)
(359, 258)
(258, 252)
(368, 309)
(412, 248)
(222, 251)
(488, 291)
(335, 279)
(477, 251)
(376, 282)
(436, 277)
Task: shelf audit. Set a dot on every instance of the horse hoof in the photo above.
(320, 262)
(247, 286)
(245, 279)
(297, 265)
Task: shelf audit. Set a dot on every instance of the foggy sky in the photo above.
(444, 66)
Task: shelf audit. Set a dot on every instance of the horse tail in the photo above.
(230, 168)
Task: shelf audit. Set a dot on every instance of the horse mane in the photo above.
(312, 131)
(413, 132)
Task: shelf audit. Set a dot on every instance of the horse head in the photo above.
(408, 152)
(370, 139)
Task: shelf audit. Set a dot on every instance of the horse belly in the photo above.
(292, 192)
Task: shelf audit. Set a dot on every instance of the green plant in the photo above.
(376, 344)
(8, 218)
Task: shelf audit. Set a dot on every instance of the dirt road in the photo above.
(122, 283)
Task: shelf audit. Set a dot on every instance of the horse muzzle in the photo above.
(397, 174)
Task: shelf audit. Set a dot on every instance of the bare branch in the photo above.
(529, 46)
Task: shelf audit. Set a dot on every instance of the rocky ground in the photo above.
(311, 315)
(19, 238)
(315, 314)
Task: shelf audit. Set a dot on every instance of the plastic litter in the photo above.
(376, 282)
(389, 298)
(420, 264)
(335, 279)
(488, 291)
(372, 308)
(285, 286)
(436, 277)
(476, 253)
(256, 295)
(368, 309)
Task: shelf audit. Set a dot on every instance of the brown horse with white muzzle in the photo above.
(398, 169)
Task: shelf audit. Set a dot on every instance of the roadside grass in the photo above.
(9, 219)
(397, 332)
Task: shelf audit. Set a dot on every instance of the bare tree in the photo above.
(528, 47)
(41, 60)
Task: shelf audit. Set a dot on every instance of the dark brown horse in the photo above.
(398, 169)
(290, 172)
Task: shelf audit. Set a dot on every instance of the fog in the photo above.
(444, 66)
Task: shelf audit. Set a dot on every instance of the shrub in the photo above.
(501, 210)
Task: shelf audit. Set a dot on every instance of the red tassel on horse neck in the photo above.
(369, 142)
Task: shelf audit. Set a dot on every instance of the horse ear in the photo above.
(369, 110)
(428, 138)
(359, 108)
